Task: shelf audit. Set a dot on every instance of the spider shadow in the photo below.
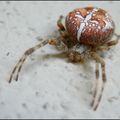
(85, 70)
(41, 59)
(87, 74)
(86, 67)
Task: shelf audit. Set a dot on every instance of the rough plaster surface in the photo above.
(49, 86)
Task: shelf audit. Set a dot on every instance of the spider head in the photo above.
(69, 42)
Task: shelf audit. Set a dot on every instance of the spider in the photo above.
(90, 27)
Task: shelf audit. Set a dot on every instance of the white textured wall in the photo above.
(49, 86)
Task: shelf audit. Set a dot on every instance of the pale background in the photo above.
(50, 87)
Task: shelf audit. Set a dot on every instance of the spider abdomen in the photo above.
(90, 25)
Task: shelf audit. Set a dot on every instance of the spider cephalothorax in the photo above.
(91, 27)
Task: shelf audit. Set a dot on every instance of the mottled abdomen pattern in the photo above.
(90, 25)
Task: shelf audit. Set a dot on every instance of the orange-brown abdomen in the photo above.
(90, 25)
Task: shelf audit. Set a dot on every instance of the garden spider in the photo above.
(91, 27)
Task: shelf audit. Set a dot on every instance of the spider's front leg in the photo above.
(28, 52)
(65, 37)
(59, 23)
(62, 29)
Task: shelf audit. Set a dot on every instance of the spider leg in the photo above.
(118, 36)
(111, 43)
(96, 85)
(19, 64)
(62, 29)
(108, 45)
(77, 57)
(66, 38)
(59, 23)
(101, 61)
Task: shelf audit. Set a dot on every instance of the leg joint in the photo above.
(29, 51)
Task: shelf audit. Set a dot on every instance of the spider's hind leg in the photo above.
(96, 84)
(98, 96)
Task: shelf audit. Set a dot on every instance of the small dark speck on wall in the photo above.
(7, 2)
(7, 13)
(49, 17)
(2, 22)
(65, 107)
(2, 103)
(45, 64)
(24, 105)
(111, 99)
(18, 115)
(45, 106)
(7, 54)
(37, 93)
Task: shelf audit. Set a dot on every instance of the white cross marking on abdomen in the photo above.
(85, 22)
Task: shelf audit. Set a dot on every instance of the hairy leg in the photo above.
(62, 30)
(28, 52)
(77, 57)
(59, 23)
(108, 45)
(118, 36)
(112, 43)
(96, 85)
(101, 61)
(66, 38)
